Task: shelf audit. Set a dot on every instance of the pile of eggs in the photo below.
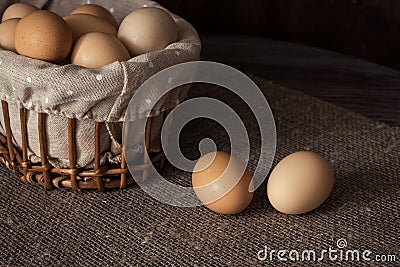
(90, 36)
(299, 183)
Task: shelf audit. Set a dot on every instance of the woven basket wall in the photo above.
(99, 177)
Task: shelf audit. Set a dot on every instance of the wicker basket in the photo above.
(16, 153)
(100, 177)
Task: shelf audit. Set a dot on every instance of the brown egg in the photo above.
(43, 35)
(97, 11)
(18, 10)
(214, 183)
(98, 49)
(81, 24)
(7, 34)
(300, 183)
(146, 30)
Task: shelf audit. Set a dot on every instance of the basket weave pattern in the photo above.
(99, 177)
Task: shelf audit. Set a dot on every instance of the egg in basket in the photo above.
(67, 74)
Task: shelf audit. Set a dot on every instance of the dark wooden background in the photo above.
(368, 29)
(239, 33)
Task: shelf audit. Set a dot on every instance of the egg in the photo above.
(7, 34)
(81, 24)
(18, 10)
(43, 35)
(97, 49)
(223, 187)
(97, 11)
(147, 29)
(300, 183)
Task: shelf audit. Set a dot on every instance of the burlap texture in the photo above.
(89, 95)
(128, 228)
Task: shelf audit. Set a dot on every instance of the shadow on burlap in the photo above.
(128, 227)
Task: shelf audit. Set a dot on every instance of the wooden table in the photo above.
(355, 84)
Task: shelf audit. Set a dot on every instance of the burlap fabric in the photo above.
(89, 95)
(128, 228)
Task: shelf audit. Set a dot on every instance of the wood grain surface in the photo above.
(355, 84)
(368, 29)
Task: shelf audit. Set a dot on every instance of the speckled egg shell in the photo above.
(43, 35)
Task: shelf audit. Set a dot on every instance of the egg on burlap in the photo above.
(300, 183)
(223, 183)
